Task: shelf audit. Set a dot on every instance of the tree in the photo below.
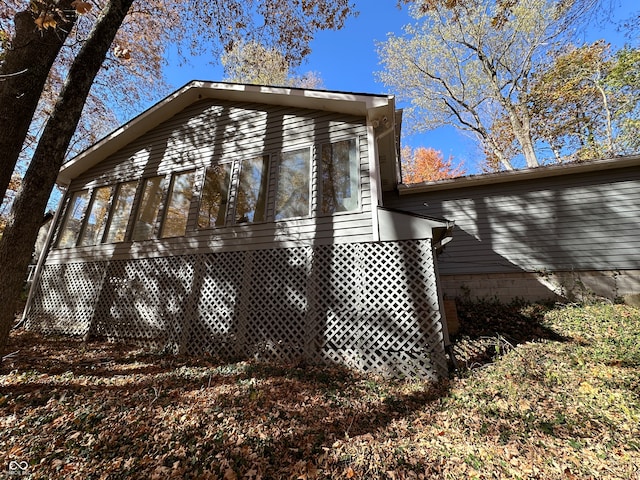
(5, 206)
(468, 64)
(585, 103)
(285, 23)
(39, 34)
(623, 78)
(251, 62)
(427, 165)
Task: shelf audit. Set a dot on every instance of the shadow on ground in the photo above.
(489, 329)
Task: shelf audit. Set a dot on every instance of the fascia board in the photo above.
(520, 175)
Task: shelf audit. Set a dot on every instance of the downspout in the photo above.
(448, 347)
(437, 247)
(42, 259)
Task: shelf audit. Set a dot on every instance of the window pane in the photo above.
(97, 217)
(292, 199)
(121, 212)
(148, 210)
(339, 177)
(215, 192)
(252, 190)
(177, 213)
(73, 219)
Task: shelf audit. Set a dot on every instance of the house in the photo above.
(240, 220)
(567, 232)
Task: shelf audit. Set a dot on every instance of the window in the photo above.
(292, 196)
(148, 209)
(73, 220)
(215, 194)
(97, 217)
(340, 177)
(178, 204)
(121, 211)
(251, 200)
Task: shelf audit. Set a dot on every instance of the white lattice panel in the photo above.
(214, 328)
(370, 306)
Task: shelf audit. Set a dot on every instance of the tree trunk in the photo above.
(22, 230)
(23, 75)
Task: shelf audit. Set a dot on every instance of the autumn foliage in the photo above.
(558, 400)
(427, 165)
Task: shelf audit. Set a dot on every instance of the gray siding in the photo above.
(578, 221)
(207, 133)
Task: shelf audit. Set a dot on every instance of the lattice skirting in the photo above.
(369, 306)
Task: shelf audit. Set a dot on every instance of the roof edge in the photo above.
(544, 171)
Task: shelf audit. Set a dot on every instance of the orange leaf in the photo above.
(81, 7)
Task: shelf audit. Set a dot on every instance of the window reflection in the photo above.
(292, 197)
(177, 211)
(121, 212)
(73, 220)
(215, 193)
(340, 177)
(252, 191)
(97, 217)
(148, 209)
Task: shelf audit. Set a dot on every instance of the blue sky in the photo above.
(346, 60)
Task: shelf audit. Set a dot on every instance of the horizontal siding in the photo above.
(200, 136)
(584, 221)
(263, 236)
(207, 133)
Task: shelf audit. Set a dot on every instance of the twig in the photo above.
(10, 355)
(156, 392)
(350, 425)
(7, 75)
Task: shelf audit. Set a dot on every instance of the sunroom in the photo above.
(247, 221)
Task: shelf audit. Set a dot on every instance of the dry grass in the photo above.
(561, 399)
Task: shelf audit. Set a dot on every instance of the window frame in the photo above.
(265, 183)
(114, 203)
(229, 196)
(310, 149)
(356, 182)
(67, 215)
(140, 196)
(87, 215)
(165, 204)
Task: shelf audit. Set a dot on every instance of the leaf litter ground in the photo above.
(540, 393)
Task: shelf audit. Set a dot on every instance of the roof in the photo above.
(373, 106)
(544, 171)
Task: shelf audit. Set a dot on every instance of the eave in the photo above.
(546, 171)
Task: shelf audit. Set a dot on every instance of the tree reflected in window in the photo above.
(121, 212)
(178, 204)
(148, 209)
(292, 197)
(97, 217)
(252, 191)
(73, 219)
(340, 177)
(215, 195)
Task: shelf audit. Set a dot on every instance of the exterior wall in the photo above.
(317, 288)
(370, 306)
(539, 238)
(209, 132)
